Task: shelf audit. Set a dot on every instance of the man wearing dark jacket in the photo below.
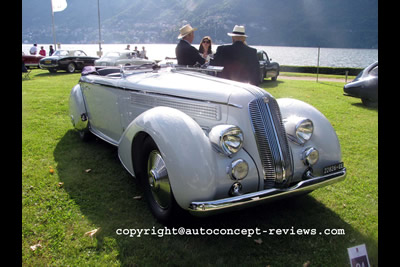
(186, 54)
(240, 61)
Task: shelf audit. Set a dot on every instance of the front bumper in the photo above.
(48, 66)
(204, 208)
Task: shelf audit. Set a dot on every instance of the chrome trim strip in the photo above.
(162, 94)
(207, 207)
(103, 137)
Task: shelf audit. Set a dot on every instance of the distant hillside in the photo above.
(338, 23)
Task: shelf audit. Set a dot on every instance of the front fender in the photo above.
(186, 150)
(324, 137)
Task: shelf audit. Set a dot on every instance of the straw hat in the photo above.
(185, 30)
(237, 31)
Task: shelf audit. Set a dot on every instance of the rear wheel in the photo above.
(71, 67)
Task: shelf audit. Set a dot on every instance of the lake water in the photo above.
(284, 55)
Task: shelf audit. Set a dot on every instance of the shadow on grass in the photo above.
(270, 84)
(58, 73)
(361, 105)
(106, 196)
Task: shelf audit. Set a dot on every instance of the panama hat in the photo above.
(185, 30)
(237, 31)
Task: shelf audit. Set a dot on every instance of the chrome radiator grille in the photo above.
(272, 143)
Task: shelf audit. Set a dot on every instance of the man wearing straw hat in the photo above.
(240, 61)
(186, 54)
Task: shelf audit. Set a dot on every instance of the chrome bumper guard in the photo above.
(204, 208)
(48, 66)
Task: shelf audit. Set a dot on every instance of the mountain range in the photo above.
(307, 23)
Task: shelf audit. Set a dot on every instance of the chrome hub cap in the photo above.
(71, 67)
(158, 179)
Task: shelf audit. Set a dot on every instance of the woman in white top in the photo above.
(205, 48)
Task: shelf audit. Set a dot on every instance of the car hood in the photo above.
(191, 85)
(53, 57)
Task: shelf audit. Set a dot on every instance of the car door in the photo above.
(103, 98)
(269, 72)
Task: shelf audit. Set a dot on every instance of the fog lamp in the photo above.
(239, 169)
(311, 156)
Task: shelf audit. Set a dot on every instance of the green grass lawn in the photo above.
(90, 189)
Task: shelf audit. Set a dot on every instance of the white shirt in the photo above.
(33, 50)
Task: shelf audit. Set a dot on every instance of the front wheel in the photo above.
(155, 181)
(369, 103)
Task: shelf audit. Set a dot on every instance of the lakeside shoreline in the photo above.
(285, 56)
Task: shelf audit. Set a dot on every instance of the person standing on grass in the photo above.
(33, 50)
(240, 61)
(51, 50)
(42, 51)
(186, 54)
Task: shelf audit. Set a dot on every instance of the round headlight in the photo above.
(227, 139)
(304, 130)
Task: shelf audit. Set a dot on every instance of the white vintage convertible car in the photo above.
(205, 144)
(125, 58)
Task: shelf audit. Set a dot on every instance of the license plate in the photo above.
(333, 168)
(47, 61)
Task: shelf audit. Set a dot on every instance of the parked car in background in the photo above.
(268, 68)
(124, 58)
(31, 61)
(68, 60)
(205, 144)
(365, 86)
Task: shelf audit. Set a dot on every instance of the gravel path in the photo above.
(312, 79)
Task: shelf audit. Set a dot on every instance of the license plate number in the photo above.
(333, 168)
(47, 61)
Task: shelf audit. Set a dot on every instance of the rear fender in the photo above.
(77, 109)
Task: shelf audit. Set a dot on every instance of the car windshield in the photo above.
(119, 55)
(61, 53)
(374, 72)
(76, 53)
(112, 55)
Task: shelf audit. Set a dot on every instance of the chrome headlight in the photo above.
(304, 130)
(299, 129)
(227, 139)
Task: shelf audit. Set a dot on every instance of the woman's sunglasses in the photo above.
(206, 42)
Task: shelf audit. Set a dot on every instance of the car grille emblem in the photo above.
(266, 100)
